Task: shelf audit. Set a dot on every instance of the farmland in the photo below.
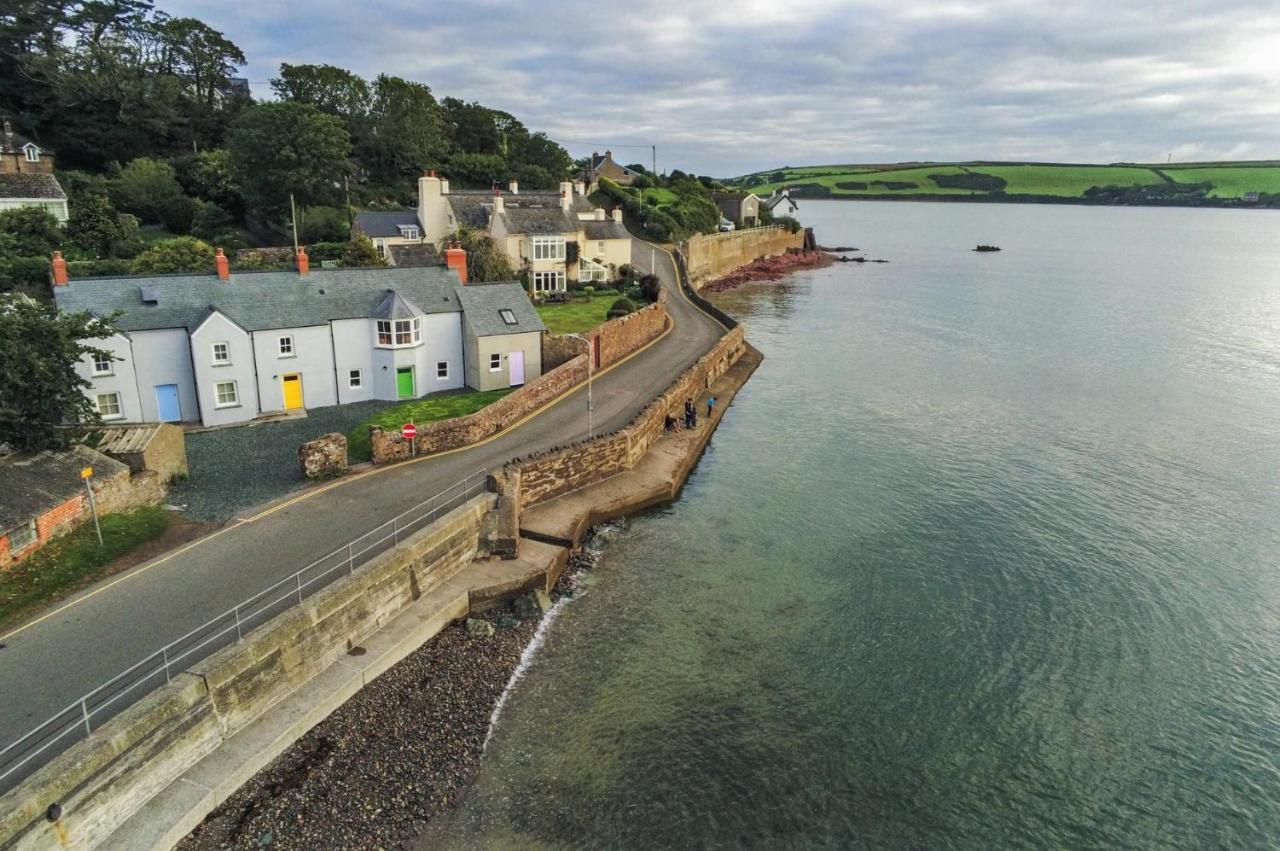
(1195, 184)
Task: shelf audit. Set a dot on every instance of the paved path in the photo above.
(50, 663)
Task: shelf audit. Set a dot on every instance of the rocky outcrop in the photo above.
(769, 269)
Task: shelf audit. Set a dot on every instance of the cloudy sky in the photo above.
(734, 86)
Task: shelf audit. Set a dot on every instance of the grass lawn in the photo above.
(577, 316)
(438, 406)
(659, 196)
(75, 560)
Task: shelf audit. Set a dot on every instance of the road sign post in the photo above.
(409, 431)
(87, 474)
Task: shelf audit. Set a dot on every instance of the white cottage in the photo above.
(224, 348)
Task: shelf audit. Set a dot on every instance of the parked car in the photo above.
(725, 225)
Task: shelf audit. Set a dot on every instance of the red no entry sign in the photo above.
(409, 431)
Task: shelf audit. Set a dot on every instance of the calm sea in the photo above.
(985, 556)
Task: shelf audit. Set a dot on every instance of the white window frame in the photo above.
(286, 347)
(225, 359)
(232, 401)
(410, 232)
(102, 365)
(401, 333)
(355, 379)
(508, 316)
(495, 362)
(118, 414)
(547, 247)
(442, 370)
(548, 282)
(20, 539)
(33, 154)
(591, 270)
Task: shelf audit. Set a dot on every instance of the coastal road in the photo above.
(49, 663)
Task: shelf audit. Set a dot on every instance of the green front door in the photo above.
(404, 382)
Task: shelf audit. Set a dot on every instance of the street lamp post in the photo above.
(590, 369)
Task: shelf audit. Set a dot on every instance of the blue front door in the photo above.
(167, 403)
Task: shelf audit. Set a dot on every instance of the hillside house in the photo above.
(779, 203)
(602, 165)
(223, 348)
(743, 210)
(26, 176)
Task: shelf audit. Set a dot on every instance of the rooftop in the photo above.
(483, 305)
(34, 482)
(381, 224)
(42, 186)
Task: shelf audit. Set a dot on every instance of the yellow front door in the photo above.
(292, 392)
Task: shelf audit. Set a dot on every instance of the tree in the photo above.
(95, 225)
(406, 130)
(471, 127)
(34, 231)
(330, 89)
(181, 254)
(40, 390)
(323, 224)
(287, 147)
(361, 253)
(150, 190)
(478, 170)
(486, 261)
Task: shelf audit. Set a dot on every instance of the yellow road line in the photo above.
(240, 521)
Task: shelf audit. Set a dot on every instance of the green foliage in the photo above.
(478, 170)
(361, 253)
(486, 260)
(181, 254)
(650, 287)
(27, 275)
(97, 268)
(212, 223)
(406, 130)
(95, 225)
(33, 231)
(621, 307)
(330, 89)
(323, 224)
(208, 176)
(438, 406)
(149, 189)
(40, 389)
(789, 222)
(75, 560)
(287, 147)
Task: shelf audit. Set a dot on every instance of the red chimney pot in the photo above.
(304, 262)
(59, 270)
(222, 265)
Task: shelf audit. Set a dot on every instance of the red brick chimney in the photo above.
(455, 257)
(304, 262)
(59, 270)
(222, 264)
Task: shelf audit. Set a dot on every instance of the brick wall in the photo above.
(618, 338)
(550, 474)
(560, 348)
(716, 255)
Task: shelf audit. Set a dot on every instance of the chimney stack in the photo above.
(617, 214)
(514, 186)
(455, 257)
(59, 265)
(579, 187)
(566, 196)
(600, 215)
(304, 263)
(222, 265)
(499, 205)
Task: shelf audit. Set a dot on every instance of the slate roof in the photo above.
(12, 142)
(607, 229)
(395, 306)
(471, 210)
(377, 224)
(412, 254)
(472, 207)
(44, 186)
(482, 304)
(33, 483)
(258, 301)
(539, 220)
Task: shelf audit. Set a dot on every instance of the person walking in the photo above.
(711, 405)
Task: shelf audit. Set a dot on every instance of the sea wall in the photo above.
(613, 341)
(549, 474)
(713, 255)
(99, 782)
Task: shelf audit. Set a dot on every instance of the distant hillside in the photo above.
(1178, 184)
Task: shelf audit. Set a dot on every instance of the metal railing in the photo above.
(78, 720)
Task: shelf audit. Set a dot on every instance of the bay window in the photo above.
(398, 333)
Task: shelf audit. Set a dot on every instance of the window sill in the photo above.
(217, 365)
(287, 357)
(109, 418)
(227, 405)
(102, 374)
(398, 345)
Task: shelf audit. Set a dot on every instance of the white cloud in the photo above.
(732, 87)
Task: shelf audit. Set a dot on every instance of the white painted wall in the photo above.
(312, 358)
(122, 379)
(353, 339)
(219, 329)
(164, 357)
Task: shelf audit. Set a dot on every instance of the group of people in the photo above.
(690, 414)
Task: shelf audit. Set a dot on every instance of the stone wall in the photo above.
(550, 474)
(710, 257)
(561, 348)
(104, 779)
(618, 338)
(323, 457)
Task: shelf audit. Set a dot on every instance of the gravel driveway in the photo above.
(235, 468)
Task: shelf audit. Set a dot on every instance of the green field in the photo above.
(1227, 181)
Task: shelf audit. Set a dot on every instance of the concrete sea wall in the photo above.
(717, 254)
(100, 782)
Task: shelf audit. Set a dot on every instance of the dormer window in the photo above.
(409, 232)
(399, 333)
(33, 153)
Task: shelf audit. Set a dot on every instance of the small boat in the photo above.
(987, 248)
